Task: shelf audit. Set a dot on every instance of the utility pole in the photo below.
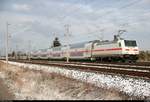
(16, 52)
(102, 36)
(7, 37)
(29, 50)
(67, 39)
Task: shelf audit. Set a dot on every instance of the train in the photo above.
(117, 50)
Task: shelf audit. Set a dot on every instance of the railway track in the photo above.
(129, 70)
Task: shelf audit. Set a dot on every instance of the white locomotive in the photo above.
(116, 50)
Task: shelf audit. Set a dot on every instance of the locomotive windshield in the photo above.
(130, 43)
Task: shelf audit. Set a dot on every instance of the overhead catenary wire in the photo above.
(109, 12)
(61, 19)
(122, 7)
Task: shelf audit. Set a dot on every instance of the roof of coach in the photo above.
(43, 49)
(77, 45)
(106, 42)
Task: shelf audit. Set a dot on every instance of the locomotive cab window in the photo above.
(130, 43)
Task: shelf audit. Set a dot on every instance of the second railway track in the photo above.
(130, 70)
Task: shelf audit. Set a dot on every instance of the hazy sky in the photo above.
(38, 20)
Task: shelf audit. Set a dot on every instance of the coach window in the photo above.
(119, 44)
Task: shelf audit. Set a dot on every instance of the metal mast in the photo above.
(7, 35)
(29, 53)
(67, 34)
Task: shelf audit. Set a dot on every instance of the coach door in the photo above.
(88, 48)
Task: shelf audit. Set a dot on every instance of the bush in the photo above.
(144, 56)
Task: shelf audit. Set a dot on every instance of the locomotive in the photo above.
(118, 49)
